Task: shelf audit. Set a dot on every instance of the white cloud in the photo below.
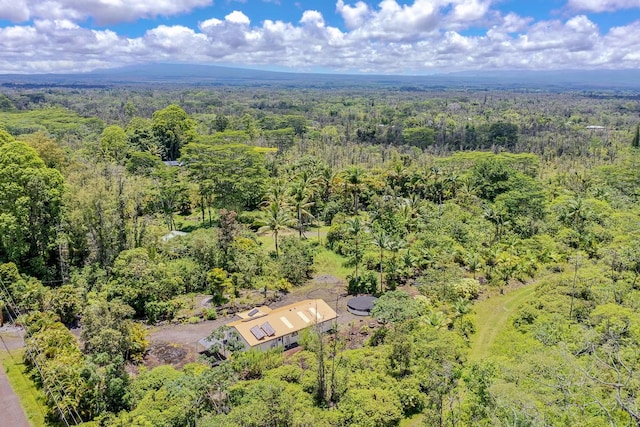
(237, 17)
(393, 21)
(14, 10)
(602, 5)
(354, 16)
(512, 23)
(422, 36)
(102, 11)
(312, 17)
(470, 10)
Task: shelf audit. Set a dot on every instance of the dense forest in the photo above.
(432, 199)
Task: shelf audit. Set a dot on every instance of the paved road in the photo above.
(11, 413)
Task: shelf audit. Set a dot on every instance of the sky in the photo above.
(336, 36)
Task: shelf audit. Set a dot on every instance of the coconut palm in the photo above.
(354, 178)
(395, 244)
(461, 307)
(276, 193)
(302, 191)
(276, 219)
(381, 240)
(356, 229)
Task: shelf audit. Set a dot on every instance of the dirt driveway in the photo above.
(178, 344)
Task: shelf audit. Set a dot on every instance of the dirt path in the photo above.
(492, 315)
(11, 411)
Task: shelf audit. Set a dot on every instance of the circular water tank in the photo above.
(362, 305)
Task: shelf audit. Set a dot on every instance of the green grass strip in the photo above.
(491, 318)
(32, 399)
(330, 263)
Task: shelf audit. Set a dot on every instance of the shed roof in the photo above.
(173, 234)
(283, 321)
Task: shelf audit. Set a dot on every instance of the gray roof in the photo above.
(362, 303)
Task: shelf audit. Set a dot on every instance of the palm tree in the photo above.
(381, 240)
(397, 177)
(395, 244)
(461, 307)
(302, 191)
(473, 262)
(498, 219)
(356, 229)
(576, 214)
(325, 183)
(354, 177)
(437, 319)
(276, 219)
(277, 192)
(437, 186)
(466, 192)
(409, 211)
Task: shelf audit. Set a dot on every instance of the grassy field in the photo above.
(31, 398)
(492, 315)
(330, 263)
(326, 262)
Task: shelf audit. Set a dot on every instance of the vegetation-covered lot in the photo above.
(499, 230)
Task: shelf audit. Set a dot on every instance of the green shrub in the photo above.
(467, 288)
(367, 283)
(157, 311)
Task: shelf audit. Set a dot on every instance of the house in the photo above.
(264, 328)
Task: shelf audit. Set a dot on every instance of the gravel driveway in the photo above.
(178, 344)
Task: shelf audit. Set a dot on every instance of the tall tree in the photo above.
(381, 240)
(356, 230)
(277, 219)
(302, 191)
(235, 173)
(47, 148)
(113, 144)
(30, 208)
(354, 178)
(173, 128)
(170, 192)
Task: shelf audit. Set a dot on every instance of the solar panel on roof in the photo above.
(268, 329)
(257, 332)
(253, 312)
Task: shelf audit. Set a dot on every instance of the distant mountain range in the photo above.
(184, 74)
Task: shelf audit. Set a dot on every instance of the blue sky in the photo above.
(384, 36)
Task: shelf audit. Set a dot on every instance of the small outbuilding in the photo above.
(172, 235)
(362, 305)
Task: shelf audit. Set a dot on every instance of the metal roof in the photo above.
(283, 321)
